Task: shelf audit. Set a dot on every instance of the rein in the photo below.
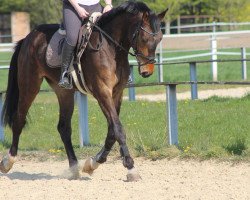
(112, 40)
(136, 53)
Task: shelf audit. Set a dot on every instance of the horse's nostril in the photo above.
(145, 74)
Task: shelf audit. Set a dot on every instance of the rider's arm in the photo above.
(109, 3)
(81, 11)
(108, 6)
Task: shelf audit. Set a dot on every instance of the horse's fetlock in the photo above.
(128, 162)
(101, 160)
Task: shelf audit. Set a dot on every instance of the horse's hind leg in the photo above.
(66, 102)
(26, 96)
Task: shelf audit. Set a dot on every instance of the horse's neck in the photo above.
(118, 29)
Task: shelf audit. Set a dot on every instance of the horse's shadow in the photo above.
(35, 176)
(27, 176)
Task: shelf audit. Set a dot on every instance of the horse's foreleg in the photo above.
(93, 163)
(132, 175)
(111, 109)
(128, 161)
(116, 133)
(110, 139)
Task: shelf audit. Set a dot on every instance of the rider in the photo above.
(74, 12)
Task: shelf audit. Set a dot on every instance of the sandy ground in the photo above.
(162, 179)
(204, 94)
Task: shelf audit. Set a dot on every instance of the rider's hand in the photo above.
(82, 12)
(107, 8)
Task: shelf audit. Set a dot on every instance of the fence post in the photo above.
(160, 70)
(161, 60)
(193, 77)
(214, 57)
(131, 90)
(178, 24)
(82, 101)
(172, 114)
(214, 27)
(244, 63)
(1, 127)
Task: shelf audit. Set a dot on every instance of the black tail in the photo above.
(12, 93)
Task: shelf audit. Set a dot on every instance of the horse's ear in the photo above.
(162, 15)
(145, 17)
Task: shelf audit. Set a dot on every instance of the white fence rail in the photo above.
(212, 48)
(214, 26)
(6, 47)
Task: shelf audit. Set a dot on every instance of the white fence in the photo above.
(212, 51)
(214, 27)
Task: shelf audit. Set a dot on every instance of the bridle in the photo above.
(135, 38)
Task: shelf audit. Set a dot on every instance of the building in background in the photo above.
(14, 26)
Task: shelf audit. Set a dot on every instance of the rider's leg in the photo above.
(72, 24)
(67, 57)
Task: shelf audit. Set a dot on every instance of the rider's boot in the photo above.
(67, 56)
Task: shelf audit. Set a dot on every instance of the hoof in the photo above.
(133, 175)
(90, 165)
(74, 173)
(7, 163)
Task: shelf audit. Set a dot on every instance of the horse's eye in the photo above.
(144, 40)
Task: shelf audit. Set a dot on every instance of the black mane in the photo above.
(132, 8)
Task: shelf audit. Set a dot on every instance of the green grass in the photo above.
(213, 128)
(4, 72)
(219, 125)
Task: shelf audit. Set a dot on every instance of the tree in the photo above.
(50, 11)
(46, 11)
(233, 11)
(7, 6)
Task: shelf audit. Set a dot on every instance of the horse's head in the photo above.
(146, 37)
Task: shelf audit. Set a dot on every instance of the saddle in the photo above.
(54, 50)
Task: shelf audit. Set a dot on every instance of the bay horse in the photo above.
(106, 72)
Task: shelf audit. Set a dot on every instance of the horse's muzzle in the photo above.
(146, 70)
